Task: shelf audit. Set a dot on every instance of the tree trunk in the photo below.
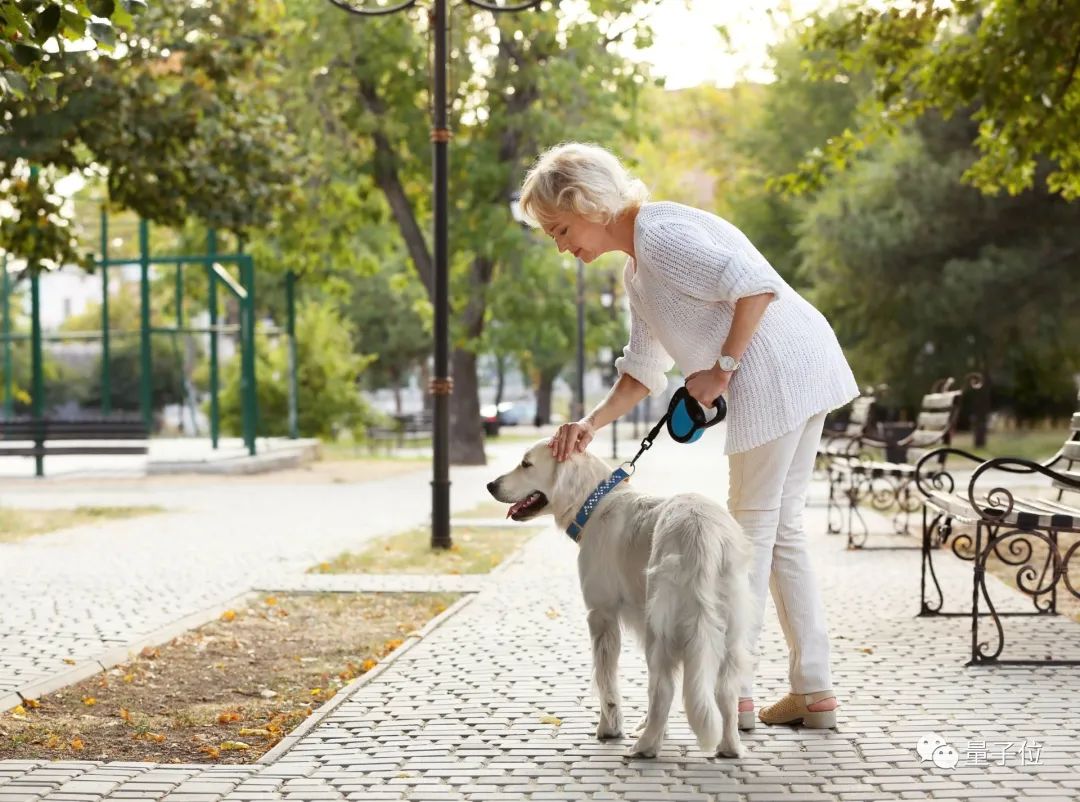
(980, 412)
(543, 397)
(397, 396)
(466, 430)
(500, 383)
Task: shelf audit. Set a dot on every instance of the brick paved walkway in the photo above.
(495, 705)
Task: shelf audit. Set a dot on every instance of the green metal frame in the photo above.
(243, 290)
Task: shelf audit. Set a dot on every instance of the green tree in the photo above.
(27, 27)
(520, 82)
(328, 372)
(923, 276)
(1009, 64)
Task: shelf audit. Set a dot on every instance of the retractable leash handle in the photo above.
(686, 420)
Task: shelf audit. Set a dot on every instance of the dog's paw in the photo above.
(734, 750)
(643, 748)
(641, 725)
(607, 732)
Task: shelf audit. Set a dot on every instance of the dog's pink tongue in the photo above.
(514, 508)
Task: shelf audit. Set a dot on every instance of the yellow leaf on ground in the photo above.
(555, 720)
(867, 650)
(270, 601)
(149, 653)
(155, 737)
(125, 714)
(69, 661)
(234, 746)
(228, 615)
(228, 717)
(392, 644)
(53, 742)
(77, 744)
(33, 704)
(316, 692)
(552, 613)
(212, 751)
(368, 664)
(129, 678)
(19, 713)
(89, 701)
(264, 733)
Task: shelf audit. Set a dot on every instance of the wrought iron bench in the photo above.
(881, 470)
(30, 437)
(1012, 528)
(844, 444)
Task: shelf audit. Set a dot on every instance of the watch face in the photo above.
(728, 363)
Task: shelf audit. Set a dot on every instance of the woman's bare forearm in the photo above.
(623, 397)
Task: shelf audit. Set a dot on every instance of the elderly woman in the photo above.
(702, 296)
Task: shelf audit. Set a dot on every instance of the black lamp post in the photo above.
(441, 385)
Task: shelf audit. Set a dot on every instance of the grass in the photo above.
(486, 509)
(1033, 444)
(16, 524)
(476, 550)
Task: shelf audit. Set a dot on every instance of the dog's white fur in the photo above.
(674, 572)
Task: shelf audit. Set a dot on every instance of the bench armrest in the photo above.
(1000, 498)
(927, 478)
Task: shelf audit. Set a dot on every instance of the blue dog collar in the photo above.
(617, 477)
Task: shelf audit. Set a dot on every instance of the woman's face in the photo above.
(583, 238)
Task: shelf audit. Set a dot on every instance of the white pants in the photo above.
(767, 495)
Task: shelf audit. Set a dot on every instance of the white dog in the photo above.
(673, 571)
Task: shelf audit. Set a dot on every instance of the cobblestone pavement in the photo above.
(68, 597)
(494, 704)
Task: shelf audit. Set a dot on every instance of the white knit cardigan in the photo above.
(691, 268)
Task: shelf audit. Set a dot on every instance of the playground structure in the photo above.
(215, 265)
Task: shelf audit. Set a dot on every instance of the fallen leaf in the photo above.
(77, 744)
(552, 613)
(270, 601)
(264, 733)
(149, 653)
(125, 714)
(316, 692)
(228, 717)
(324, 567)
(33, 704)
(19, 712)
(390, 645)
(867, 650)
(155, 737)
(228, 615)
(234, 746)
(129, 678)
(368, 664)
(69, 661)
(89, 701)
(53, 741)
(555, 720)
(211, 751)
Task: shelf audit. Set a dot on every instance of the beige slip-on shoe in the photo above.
(793, 709)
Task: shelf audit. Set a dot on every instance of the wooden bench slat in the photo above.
(1074, 426)
(1071, 450)
(939, 401)
(59, 451)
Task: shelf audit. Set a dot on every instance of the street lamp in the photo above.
(441, 385)
(607, 300)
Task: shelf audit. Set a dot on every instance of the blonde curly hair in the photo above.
(584, 179)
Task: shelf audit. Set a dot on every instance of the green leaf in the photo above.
(25, 55)
(103, 33)
(47, 22)
(14, 83)
(102, 8)
(134, 6)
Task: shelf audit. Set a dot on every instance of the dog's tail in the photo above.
(682, 599)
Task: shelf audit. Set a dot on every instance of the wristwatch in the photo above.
(728, 364)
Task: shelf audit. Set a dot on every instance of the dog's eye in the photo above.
(526, 464)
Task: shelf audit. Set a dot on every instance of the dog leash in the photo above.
(686, 422)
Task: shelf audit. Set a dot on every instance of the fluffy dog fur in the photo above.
(673, 571)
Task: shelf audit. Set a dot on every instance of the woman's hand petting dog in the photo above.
(571, 437)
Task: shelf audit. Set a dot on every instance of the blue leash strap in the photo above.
(617, 477)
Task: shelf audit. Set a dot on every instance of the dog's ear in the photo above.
(567, 487)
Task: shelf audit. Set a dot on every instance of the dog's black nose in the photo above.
(492, 485)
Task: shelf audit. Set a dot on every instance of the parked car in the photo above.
(489, 418)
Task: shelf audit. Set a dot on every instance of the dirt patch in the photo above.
(223, 693)
(19, 524)
(475, 550)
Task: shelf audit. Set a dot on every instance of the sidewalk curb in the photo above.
(121, 654)
(293, 738)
